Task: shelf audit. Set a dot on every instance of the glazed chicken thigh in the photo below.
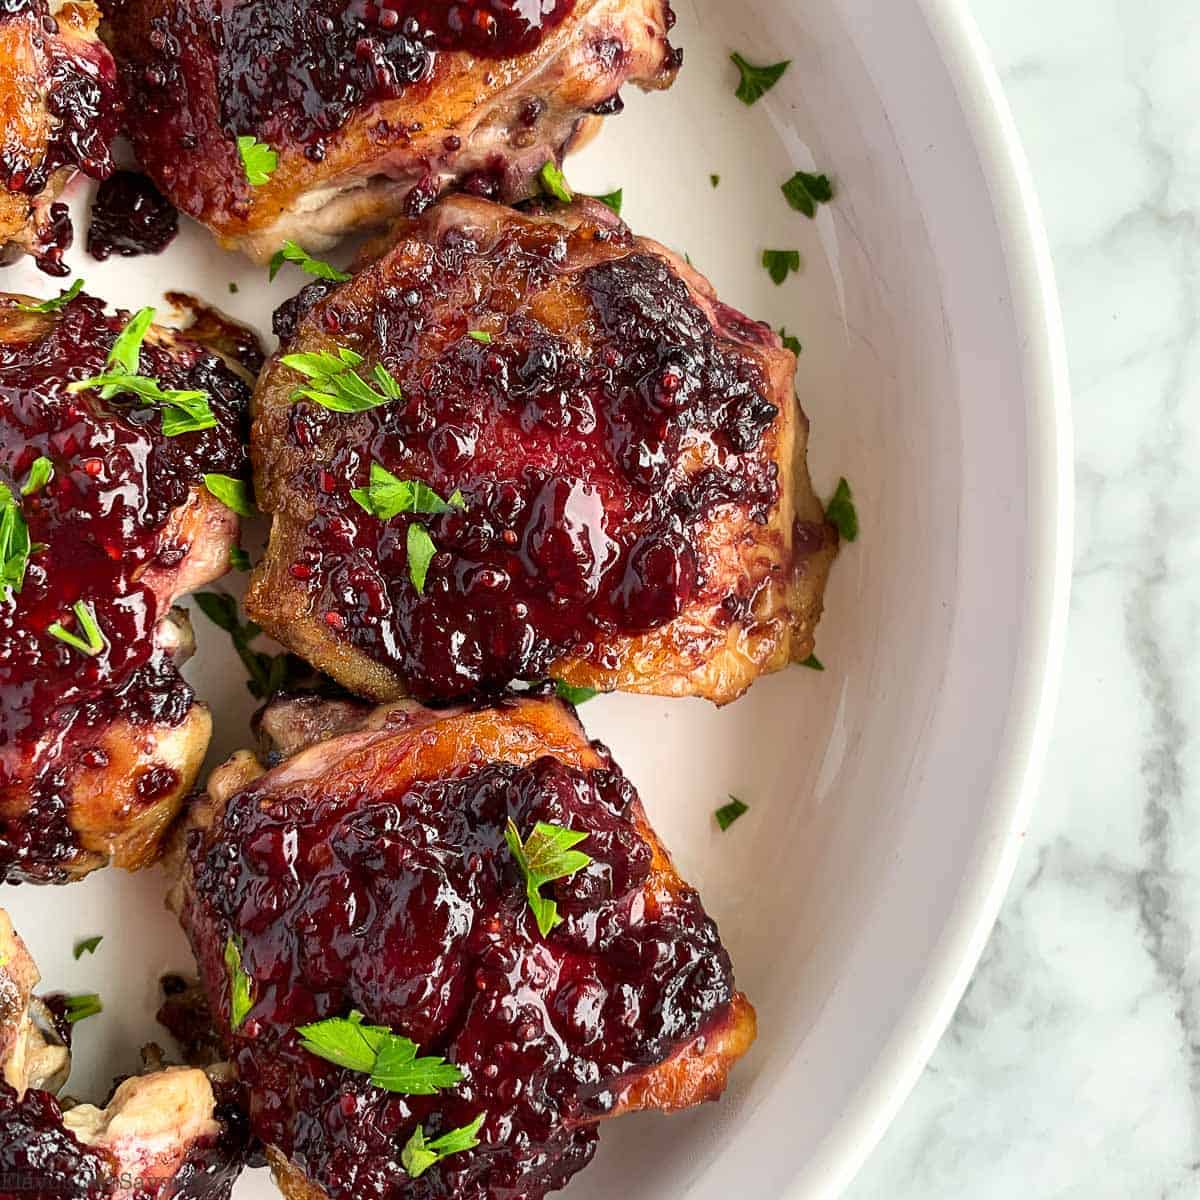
(59, 112)
(569, 459)
(365, 110)
(104, 522)
(416, 999)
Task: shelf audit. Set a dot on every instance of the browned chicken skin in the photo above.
(372, 110)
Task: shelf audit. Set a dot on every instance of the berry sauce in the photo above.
(407, 906)
(573, 436)
(130, 216)
(101, 518)
(81, 99)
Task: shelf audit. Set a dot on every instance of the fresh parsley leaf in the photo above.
(574, 695)
(125, 354)
(241, 986)
(714, 180)
(419, 1155)
(420, 554)
(336, 385)
(93, 640)
(258, 159)
(554, 183)
(612, 200)
(813, 663)
(755, 81)
(842, 513)
(388, 1058)
(87, 946)
(59, 301)
(480, 335)
(268, 673)
(728, 813)
(387, 496)
(40, 474)
(545, 857)
(183, 411)
(239, 560)
(233, 288)
(15, 546)
(236, 494)
(789, 341)
(295, 253)
(780, 263)
(804, 192)
(79, 1008)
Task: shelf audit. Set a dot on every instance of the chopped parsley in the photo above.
(728, 813)
(480, 335)
(239, 560)
(236, 494)
(612, 200)
(233, 288)
(574, 695)
(554, 183)
(545, 857)
(59, 301)
(336, 385)
(241, 986)
(781, 263)
(258, 159)
(93, 639)
(125, 355)
(790, 342)
(268, 673)
(813, 663)
(387, 496)
(842, 513)
(714, 180)
(295, 253)
(804, 192)
(756, 82)
(40, 474)
(419, 1155)
(15, 546)
(420, 554)
(87, 946)
(389, 1059)
(79, 1008)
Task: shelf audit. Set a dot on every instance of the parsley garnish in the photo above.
(233, 287)
(93, 640)
(789, 341)
(125, 355)
(728, 813)
(419, 1155)
(545, 857)
(240, 984)
(554, 183)
(780, 263)
(40, 474)
(804, 192)
(15, 546)
(612, 200)
(756, 81)
(574, 695)
(292, 252)
(87, 946)
(59, 301)
(236, 494)
(337, 385)
(420, 554)
(389, 1059)
(480, 335)
(269, 673)
(239, 560)
(714, 180)
(813, 663)
(79, 1008)
(387, 496)
(258, 159)
(842, 513)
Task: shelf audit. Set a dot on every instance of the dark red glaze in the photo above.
(130, 216)
(101, 518)
(409, 907)
(582, 517)
(54, 239)
(40, 1159)
(81, 99)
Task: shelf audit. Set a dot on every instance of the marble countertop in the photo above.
(1072, 1068)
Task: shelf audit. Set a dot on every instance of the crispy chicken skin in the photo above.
(636, 511)
(58, 115)
(372, 111)
(99, 748)
(403, 902)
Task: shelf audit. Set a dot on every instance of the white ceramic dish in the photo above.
(888, 795)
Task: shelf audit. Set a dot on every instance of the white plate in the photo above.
(888, 795)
